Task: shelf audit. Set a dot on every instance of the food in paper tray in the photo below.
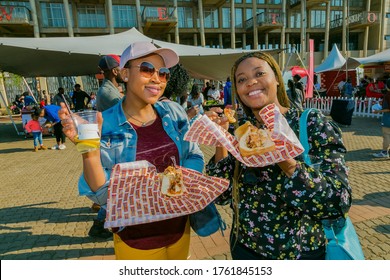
(253, 140)
(229, 113)
(135, 195)
(172, 182)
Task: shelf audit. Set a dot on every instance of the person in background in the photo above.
(60, 97)
(196, 99)
(42, 102)
(372, 90)
(227, 92)
(50, 113)
(28, 99)
(385, 123)
(93, 101)
(340, 86)
(33, 126)
(108, 93)
(299, 85)
(206, 91)
(347, 89)
(213, 93)
(137, 128)
(294, 95)
(277, 209)
(78, 98)
(221, 86)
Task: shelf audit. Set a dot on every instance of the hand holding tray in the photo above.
(134, 194)
(204, 131)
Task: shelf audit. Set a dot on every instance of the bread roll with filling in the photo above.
(172, 182)
(229, 113)
(253, 140)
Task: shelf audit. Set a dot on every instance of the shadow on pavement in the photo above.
(28, 213)
(8, 133)
(21, 238)
(55, 254)
(15, 150)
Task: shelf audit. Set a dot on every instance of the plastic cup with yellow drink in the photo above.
(88, 136)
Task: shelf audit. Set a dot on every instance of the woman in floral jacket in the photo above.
(278, 208)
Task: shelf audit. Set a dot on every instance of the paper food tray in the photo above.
(134, 195)
(204, 131)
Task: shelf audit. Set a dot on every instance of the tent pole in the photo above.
(10, 117)
(287, 62)
(29, 89)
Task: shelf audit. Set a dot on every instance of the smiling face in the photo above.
(256, 83)
(140, 89)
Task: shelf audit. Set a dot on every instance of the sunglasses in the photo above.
(147, 70)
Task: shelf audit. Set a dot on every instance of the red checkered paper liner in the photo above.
(134, 195)
(204, 131)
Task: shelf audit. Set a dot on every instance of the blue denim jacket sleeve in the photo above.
(100, 196)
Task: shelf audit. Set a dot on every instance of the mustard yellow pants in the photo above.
(176, 251)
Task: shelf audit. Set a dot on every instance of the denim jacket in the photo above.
(119, 142)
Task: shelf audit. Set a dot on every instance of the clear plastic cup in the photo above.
(88, 135)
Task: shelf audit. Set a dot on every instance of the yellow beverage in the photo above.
(87, 145)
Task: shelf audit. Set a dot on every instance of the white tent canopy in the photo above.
(76, 56)
(373, 59)
(336, 61)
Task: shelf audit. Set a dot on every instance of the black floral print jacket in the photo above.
(279, 217)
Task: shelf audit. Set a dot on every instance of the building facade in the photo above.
(359, 27)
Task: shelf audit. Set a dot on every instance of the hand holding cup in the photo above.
(82, 128)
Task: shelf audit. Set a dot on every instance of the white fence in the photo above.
(363, 108)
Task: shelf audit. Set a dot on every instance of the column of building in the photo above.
(232, 26)
(255, 33)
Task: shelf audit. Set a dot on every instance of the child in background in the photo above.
(34, 127)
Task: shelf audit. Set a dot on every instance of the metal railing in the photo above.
(266, 18)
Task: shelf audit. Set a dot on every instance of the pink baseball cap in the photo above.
(140, 49)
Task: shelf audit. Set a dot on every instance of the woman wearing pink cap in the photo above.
(141, 128)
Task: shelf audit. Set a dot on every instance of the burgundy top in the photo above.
(155, 146)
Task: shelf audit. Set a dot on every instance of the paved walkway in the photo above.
(42, 216)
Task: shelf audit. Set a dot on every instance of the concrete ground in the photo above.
(43, 218)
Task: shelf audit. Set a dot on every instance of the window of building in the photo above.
(248, 14)
(124, 16)
(356, 3)
(260, 1)
(295, 19)
(15, 4)
(274, 2)
(317, 19)
(248, 1)
(238, 17)
(238, 1)
(337, 3)
(210, 18)
(20, 11)
(225, 17)
(53, 14)
(272, 16)
(185, 17)
(91, 16)
(387, 15)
